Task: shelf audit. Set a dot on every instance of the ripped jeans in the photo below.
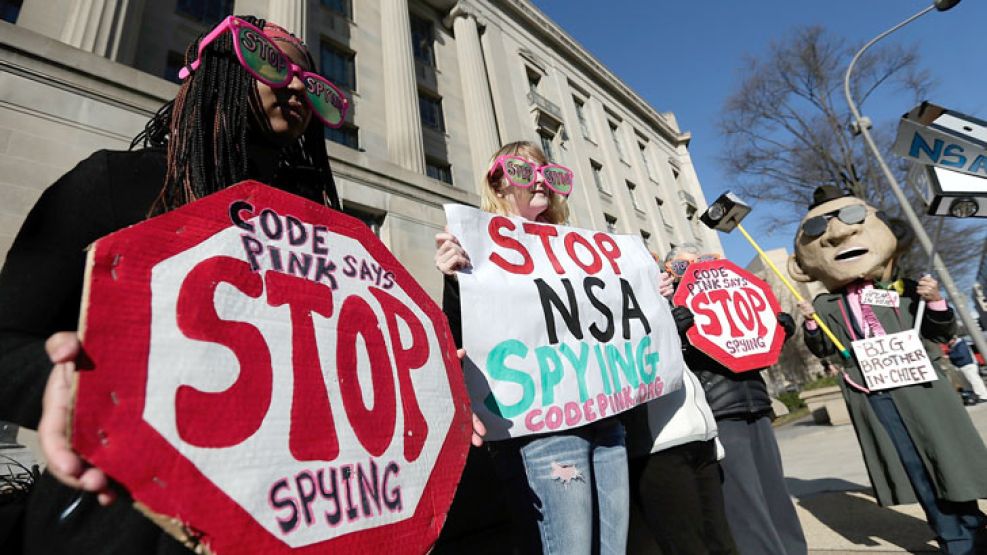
(568, 492)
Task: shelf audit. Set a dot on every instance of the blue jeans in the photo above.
(568, 491)
(956, 524)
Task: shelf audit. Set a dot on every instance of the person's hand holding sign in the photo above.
(449, 254)
(928, 289)
(666, 285)
(787, 323)
(806, 309)
(683, 317)
(479, 430)
(63, 462)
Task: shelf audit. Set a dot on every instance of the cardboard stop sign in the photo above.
(735, 312)
(266, 377)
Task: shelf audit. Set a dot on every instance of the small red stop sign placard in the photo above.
(735, 312)
(268, 375)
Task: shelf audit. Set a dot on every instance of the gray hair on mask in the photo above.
(675, 251)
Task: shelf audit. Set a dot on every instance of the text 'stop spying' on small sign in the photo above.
(736, 315)
(270, 378)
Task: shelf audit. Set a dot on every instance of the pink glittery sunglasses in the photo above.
(522, 173)
(267, 63)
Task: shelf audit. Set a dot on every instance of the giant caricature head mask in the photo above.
(842, 239)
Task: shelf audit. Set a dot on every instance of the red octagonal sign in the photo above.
(269, 377)
(735, 312)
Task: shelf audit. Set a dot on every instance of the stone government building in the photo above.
(436, 87)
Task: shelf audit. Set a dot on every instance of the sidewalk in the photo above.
(825, 474)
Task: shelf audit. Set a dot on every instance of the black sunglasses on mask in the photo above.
(853, 214)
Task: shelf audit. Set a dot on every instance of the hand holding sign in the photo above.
(449, 254)
(56, 406)
(666, 287)
(928, 289)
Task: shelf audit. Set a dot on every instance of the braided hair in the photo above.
(205, 129)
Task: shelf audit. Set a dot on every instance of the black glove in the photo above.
(787, 323)
(683, 318)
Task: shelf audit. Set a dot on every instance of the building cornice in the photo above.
(547, 31)
(34, 56)
(465, 9)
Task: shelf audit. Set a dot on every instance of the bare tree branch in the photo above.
(786, 130)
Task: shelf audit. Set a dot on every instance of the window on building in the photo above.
(547, 145)
(690, 212)
(423, 40)
(430, 108)
(338, 65)
(598, 177)
(10, 9)
(661, 212)
(373, 218)
(208, 12)
(611, 223)
(615, 135)
(643, 149)
(173, 64)
(438, 169)
(339, 7)
(632, 191)
(347, 135)
(581, 116)
(647, 238)
(534, 79)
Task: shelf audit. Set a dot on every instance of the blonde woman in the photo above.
(586, 515)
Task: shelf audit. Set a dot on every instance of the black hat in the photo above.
(826, 193)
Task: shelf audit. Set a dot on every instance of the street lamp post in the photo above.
(862, 123)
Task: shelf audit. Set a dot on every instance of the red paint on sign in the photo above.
(112, 431)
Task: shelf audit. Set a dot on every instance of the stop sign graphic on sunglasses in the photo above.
(267, 63)
(735, 312)
(265, 373)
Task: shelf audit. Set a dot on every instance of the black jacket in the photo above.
(730, 395)
(40, 293)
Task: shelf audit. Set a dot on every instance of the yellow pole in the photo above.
(815, 316)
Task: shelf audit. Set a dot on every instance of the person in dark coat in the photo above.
(961, 357)
(224, 126)
(759, 509)
(917, 440)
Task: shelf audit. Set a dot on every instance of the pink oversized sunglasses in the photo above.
(267, 63)
(522, 173)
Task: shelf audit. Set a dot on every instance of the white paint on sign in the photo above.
(893, 360)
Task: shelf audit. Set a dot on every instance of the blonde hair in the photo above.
(494, 183)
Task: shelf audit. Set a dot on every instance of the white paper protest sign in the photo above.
(562, 326)
(880, 297)
(893, 360)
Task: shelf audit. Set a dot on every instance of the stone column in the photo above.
(293, 16)
(104, 27)
(404, 127)
(500, 65)
(481, 123)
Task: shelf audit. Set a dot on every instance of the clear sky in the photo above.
(685, 56)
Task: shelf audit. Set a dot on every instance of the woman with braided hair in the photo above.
(248, 107)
